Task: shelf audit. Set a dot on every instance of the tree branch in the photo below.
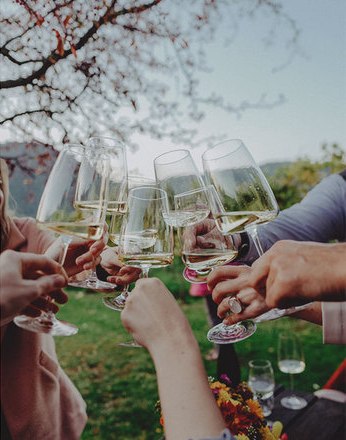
(55, 57)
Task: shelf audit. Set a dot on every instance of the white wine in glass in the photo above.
(117, 301)
(73, 171)
(177, 173)
(291, 361)
(115, 155)
(146, 240)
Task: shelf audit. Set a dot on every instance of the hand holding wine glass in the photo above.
(146, 240)
(113, 152)
(117, 301)
(73, 172)
(291, 361)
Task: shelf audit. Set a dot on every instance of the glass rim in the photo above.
(260, 363)
(151, 188)
(240, 145)
(179, 150)
(117, 144)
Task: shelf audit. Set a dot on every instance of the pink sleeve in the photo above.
(334, 322)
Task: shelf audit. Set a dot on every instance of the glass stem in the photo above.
(252, 231)
(145, 271)
(291, 382)
(66, 240)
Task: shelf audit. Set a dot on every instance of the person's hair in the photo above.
(4, 217)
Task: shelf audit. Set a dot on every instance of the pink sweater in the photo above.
(38, 400)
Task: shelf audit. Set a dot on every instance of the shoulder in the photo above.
(38, 240)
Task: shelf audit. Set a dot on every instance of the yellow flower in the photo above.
(242, 437)
(255, 407)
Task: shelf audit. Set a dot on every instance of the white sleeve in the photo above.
(334, 322)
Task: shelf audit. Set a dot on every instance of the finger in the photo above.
(225, 273)
(49, 283)
(31, 311)
(225, 288)
(259, 272)
(59, 296)
(33, 263)
(45, 305)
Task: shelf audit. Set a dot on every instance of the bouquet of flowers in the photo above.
(243, 415)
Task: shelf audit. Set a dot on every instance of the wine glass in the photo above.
(176, 173)
(115, 154)
(291, 361)
(133, 181)
(246, 199)
(73, 172)
(202, 244)
(146, 240)
(262, 383)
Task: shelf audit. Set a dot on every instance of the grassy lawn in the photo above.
(118, 383)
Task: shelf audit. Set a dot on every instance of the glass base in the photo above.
(131, 344)
(195, 277)
(229, 334)
(94, 284)
(44, 324)
(293, 402)
(117, 303)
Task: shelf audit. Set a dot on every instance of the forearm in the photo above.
(188, 406)
(313, 313)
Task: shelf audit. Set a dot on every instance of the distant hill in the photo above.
(29, 166)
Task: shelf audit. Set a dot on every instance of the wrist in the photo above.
(174, 347)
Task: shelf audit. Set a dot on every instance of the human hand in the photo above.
(292, 273)
(204, 235)
(154, 317)
(81, 254)
(25, 277)
(119, 274)
(229, 281)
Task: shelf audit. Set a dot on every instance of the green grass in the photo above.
(119, 383)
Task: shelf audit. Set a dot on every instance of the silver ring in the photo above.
(234, 304)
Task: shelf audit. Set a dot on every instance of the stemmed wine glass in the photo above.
(115, 154)
(291, 361)
(146, 240)
(74, 172)
(176, 173)
(246, 200)
(133, 181)
(262, 383)
(202, 244)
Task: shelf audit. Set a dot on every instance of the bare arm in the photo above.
(154, 318)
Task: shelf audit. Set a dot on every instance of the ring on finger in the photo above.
(234, 304)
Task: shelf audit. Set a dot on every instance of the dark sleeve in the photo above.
(319, 217)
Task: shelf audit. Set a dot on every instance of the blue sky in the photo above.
(313, 84)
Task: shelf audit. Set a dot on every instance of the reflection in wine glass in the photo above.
(112, 301)
(245, 194)
(177, 173)
(202, 244)
(291, 361)
(262, 383)
(73, 172)
(146, 240)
